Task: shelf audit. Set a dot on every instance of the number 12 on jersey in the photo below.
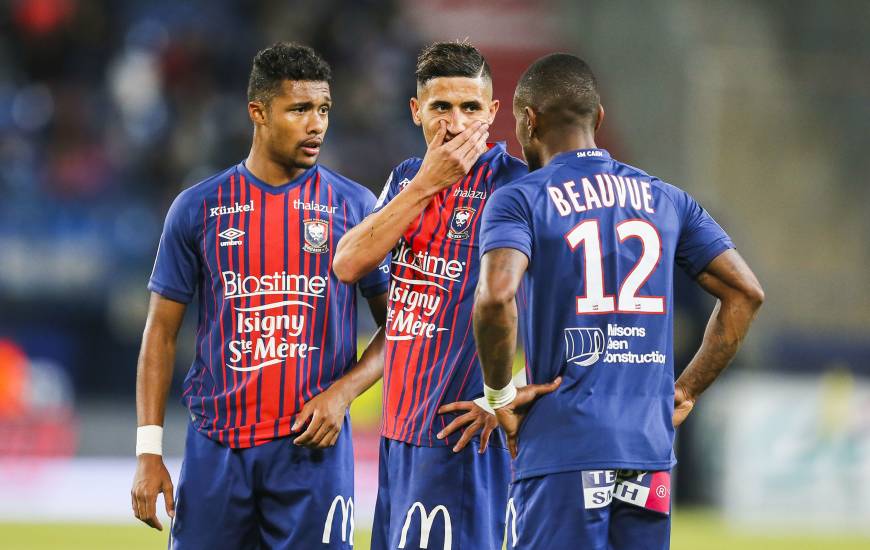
(595, 301)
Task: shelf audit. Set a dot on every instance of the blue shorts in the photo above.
(275, 495)
(431, 497)
(592, 510)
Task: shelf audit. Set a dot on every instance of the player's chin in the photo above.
(306, 157)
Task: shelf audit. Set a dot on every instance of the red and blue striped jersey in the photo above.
(431, 358)
(276, 327)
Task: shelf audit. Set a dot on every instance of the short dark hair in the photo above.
(451, 59)
(561, 85)
(284, 61)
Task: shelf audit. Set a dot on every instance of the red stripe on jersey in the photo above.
(295, 379)
(343, 307)
(255, 218)
(244, 270)
(220, 315)
(225, 396)
(273, 210)
(325, 329)
(311, 261)
(420, 353)
(468, 323)
(214, 312)
(411, 353)
(454, 250)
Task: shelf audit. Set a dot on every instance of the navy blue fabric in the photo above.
(603, 240)
(548, 512)
(427, 494)
(276, 495)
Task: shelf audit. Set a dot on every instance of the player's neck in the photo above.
(561, 142)
(268, 170)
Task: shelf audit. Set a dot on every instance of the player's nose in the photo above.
(317, 125)
(457, 122)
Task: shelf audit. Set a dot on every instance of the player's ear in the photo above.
(257, 112)
(599, 117)
(415, 111)
(531, 122)
(493, 109)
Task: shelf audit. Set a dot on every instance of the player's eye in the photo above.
(324, 109)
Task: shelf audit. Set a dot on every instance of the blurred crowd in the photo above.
(109, 109)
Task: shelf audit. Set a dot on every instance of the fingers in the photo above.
(146, 508)
(303, 417)
(438, 139)
(544, 389)
(308, 435)
(320, 433)
(135, 505)
(168, 498)
(457, 423)
(512, 446)
(458, 406)
(319, 438)
(473, 140)
(462, 138)
(469, 432)
(485, 434)
(681, 412)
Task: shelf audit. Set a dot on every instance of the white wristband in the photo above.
(499, 398)
(149, 439)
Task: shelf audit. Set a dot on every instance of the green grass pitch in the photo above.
(692, 530)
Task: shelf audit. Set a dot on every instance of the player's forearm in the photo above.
(495, 332)
(723, 336)
(363, 248)
(367, 370)
(154, 376)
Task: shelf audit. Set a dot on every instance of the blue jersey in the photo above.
(276, 327)
(431, 359)
(602, 240)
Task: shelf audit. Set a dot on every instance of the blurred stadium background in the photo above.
(760, 109)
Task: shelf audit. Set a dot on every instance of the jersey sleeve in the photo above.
(391, 188)
(176, 268)
(506, 223)
(701, 238)
(514, 169)
(377, 281)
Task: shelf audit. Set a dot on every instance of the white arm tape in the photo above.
(499, 398)
(149, 439)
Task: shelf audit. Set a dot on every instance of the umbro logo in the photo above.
(231, 236)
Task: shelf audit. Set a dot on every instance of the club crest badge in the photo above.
(316, 235)
(460, 222)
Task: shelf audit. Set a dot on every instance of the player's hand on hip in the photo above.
(474, 420)
(446, 162)
(324, 414)
(151, 479)
(683, 404)
(510, 417)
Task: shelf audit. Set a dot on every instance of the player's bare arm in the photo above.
(739, 294)
(325, 412)
(365, 246)
(153, 378)
(495, 331)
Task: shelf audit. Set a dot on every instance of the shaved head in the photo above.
(560, 87)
